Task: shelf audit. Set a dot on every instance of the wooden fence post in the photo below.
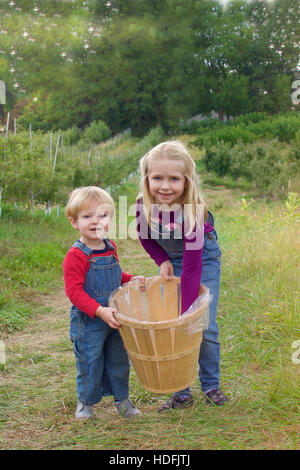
(50, 150)
(55, 156)
(7, 124)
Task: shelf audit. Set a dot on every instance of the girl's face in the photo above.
(93, 224)
(166, 181)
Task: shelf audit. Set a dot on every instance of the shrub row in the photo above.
(248, 129)
(30, 173)
(96, 132)
(268, 165)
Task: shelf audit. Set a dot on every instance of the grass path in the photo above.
(32, 354)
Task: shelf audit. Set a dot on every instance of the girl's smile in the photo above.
(166, 181)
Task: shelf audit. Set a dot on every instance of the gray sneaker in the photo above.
(84, 411)
(126, 409)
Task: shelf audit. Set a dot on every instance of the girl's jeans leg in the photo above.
(209, 358)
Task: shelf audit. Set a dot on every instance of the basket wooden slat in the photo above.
(154, 301)
(163, 346)
(171, 300)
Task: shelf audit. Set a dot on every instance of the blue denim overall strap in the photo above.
(82, 246)
(101, 359)
(88, 251)
(104, 274)
(210, 219)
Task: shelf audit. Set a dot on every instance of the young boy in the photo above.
(91, 273)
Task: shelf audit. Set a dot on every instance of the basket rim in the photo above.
(184, 318)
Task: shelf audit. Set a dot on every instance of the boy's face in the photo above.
(93, 222)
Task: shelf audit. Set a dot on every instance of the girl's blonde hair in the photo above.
(192, 201)
(81, 198)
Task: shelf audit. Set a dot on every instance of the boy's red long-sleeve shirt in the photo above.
(75, 266)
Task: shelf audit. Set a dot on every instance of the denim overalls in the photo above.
(101, 359)
(209, 357)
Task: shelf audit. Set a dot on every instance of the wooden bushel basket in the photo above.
(163, 345)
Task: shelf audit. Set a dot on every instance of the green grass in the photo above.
(227, 182)
(31, 252)
(258, 322)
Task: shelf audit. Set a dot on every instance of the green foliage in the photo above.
(32, 173)
(24, 171)
(248, 128)
(13, 315)
(292, 207)
(96, 132)
(251, 118)
(262, 149)
(72, 135)
(199, 127)
(285, 128)
(32, 263)
(218, 159)
(212, 124)
(227, 134)
(124, 63)
(267, 165)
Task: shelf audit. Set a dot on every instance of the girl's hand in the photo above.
(166, 270)
(107, 315)
(142, 282)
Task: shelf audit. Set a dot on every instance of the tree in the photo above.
(139, 63)
(274, 53)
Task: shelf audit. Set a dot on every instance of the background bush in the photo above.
(96, 132)
(267, 165)
(248, 128)
(29, 172)
(264, 150)
(72, 135)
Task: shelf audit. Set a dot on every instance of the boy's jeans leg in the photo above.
(88, 337)
(116, 364)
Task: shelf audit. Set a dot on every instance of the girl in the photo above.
(177, 231)
(91, 273)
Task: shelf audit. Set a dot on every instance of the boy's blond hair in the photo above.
(81, 198)
(174, 150)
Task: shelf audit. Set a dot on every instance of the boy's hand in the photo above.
(142, 282)
(107, 315)
(166, 270)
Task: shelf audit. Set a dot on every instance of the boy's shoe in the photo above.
(84, 411)
(126, 409)
(215, 397)
(177, 401)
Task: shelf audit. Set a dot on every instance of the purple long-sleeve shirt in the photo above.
(191, 261)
